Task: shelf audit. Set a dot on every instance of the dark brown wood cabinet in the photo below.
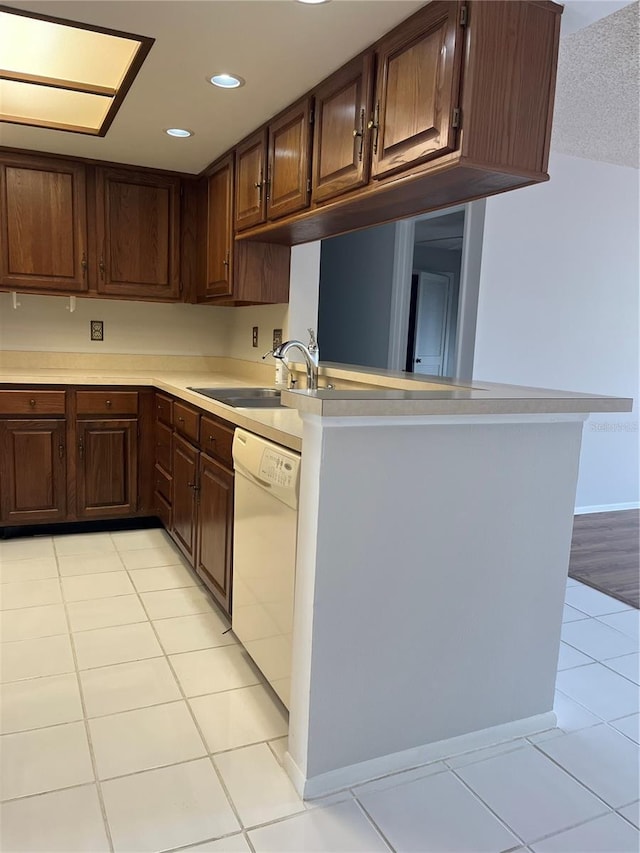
(218, 278)
(417, 90)
(43, 224)
(107, 468)
(33, 471)
(289, 161)
(341, 139)
(184, 489)
(138, 234)
(215, 529)
(250, 182)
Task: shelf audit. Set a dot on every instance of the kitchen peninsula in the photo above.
(435, 519)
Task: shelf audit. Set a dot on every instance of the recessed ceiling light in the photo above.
(313, 2)
(179, 132)
(62, 74)
(227, 81)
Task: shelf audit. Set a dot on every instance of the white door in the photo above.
(432, 323)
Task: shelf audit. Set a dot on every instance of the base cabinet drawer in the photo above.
(36, 403)
(186, 421)
(216, 440)
(162, 483)
(107, 402)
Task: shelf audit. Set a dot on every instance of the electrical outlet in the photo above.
(254, 337)
(97, 330)
(277, 337)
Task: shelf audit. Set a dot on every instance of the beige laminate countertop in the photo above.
(364, 392)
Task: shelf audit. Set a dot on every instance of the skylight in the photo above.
(62, 74)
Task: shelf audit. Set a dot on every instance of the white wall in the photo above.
(356, 274)
(559, 306)
(44, 323)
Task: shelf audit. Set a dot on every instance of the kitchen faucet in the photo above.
(311, 357)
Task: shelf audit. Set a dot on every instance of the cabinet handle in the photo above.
(360, 133)
(81, 448)
(107, 403)
(374, 125)
(32, 403)
(61, 451)
(194, 486)
(101, 267)
(226, 260)
(181, 420)
(83, 264)
(212, 439)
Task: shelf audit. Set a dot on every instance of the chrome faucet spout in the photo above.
(311, 357)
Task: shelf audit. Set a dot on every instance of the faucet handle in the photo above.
(313, 343)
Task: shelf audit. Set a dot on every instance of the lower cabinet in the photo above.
(215, 529)
(33, 471)
(107, 468)
(185, 476)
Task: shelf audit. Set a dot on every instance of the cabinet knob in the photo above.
(101, 267)
(107, 403)
(32, 403)
(211, 438)
(181, 420)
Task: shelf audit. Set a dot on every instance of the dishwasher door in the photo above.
(264, 554)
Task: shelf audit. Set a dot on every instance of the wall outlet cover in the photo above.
(97, 330)
(277, 337)
(254, 336)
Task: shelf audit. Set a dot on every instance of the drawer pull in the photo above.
(32, 403)
(181, 420)
(211, 438)
(108, 404)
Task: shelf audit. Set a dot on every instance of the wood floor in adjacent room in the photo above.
(604, 553)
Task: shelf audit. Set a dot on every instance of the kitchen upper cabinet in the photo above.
(33, 472)
(43, 224)
(251, 180)
(417, 89)
(218, 278)
(184, 506)
(138, 234)
(341, 140)
(215, 529)
(289, 170)
(107, 468)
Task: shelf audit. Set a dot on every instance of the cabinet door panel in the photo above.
(289, 161)
(219, 231)
(33, 471)
(107, 479)
(417, 90)
(43, 230)
(138, 226)
(215, 529)
(185, 474)
(341, 141)
(250, 181)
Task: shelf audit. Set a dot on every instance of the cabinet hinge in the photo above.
(457, 118)
(464, 13)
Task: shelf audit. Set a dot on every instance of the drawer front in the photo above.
(162, 483)
(163, 446)
(163, 510)
(107, 402)
(164, 409)
(216, 439)
(186, 421)
(32, 403)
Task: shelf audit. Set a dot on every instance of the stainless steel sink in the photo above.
(244, 398)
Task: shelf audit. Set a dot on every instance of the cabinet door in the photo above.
(250, 181)
(417, 90)
(219, 267)
(341, 142)
(107, 468)
(289, 175)
(215, 529)
(33, 473)
(138, 231)
(185, 484)
(43, 225)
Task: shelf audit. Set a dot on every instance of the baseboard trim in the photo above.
(585, 510)
(366, 771)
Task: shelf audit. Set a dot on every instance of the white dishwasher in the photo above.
(264, 553)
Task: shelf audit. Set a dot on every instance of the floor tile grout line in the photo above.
(371, 820)
(87, 729)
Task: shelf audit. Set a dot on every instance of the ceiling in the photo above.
(281, 48)
(441, 232)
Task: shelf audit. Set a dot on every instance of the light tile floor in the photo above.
(132, 720)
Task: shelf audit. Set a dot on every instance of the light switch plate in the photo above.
(277, 337)
(97, 330)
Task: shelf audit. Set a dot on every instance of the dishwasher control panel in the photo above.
(278, 468)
